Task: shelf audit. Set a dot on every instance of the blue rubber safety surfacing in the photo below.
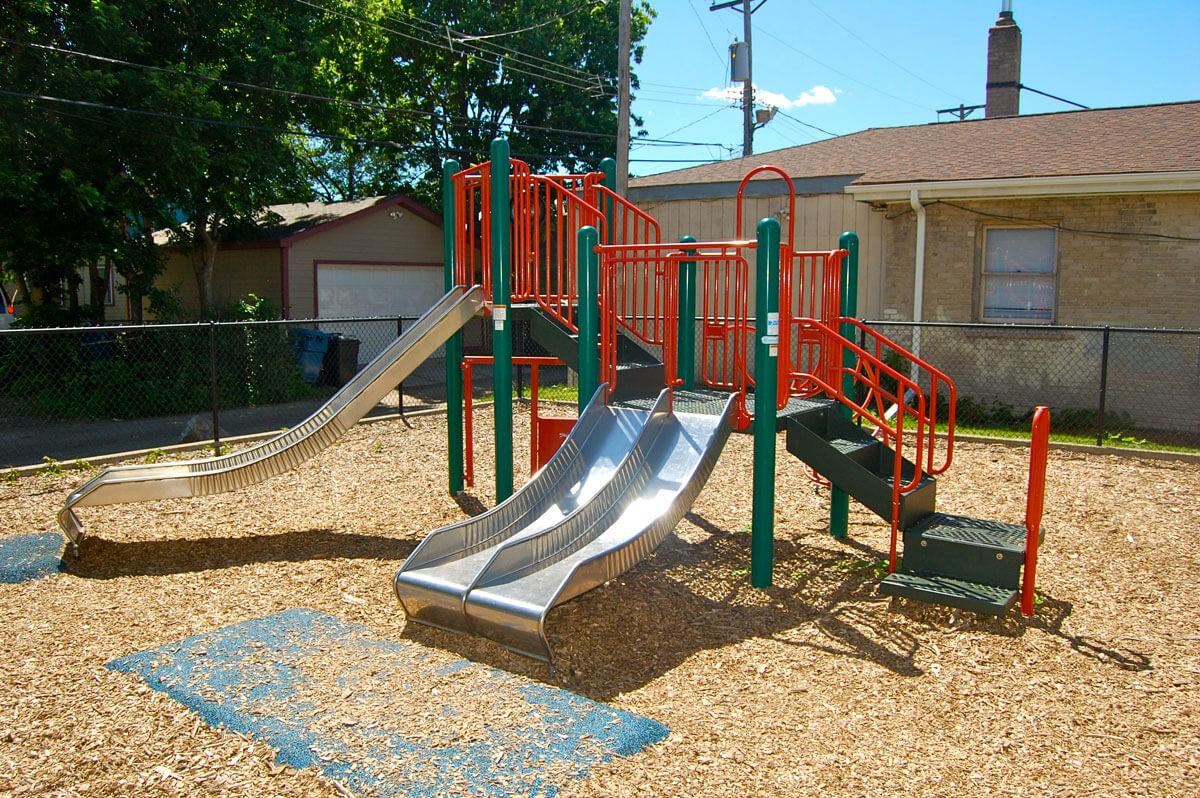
(24, 558)
(384, 717)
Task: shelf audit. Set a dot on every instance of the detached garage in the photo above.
(380, 256)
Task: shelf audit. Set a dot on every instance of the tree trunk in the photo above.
(204, 258)
(98, 277)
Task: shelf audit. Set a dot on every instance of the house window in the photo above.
(1019, 273)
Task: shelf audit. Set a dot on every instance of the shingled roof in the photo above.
(1136, 139)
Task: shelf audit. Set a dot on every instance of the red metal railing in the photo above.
(809, 288)
(468, 367)
(639, 293)
(1035, 498)
(546, 212)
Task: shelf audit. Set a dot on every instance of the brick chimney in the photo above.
(1004, 65)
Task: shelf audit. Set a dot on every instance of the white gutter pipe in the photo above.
(918, 272)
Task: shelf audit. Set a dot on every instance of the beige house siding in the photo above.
(236, 273)
(373, 237)
(820, 221)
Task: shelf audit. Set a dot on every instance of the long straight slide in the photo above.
(289, 449)
(630, 506)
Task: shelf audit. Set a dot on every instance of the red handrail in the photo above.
(1039, 449)
(639, 293)
(940, 385)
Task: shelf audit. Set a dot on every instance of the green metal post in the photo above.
(609, 167)
(501, 324)
(454, 394)
(589, 315)
(839, 500)
(766, 367)
(687, 317)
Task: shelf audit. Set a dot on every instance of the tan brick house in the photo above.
(1080, 217)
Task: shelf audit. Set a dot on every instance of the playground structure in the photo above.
(608, 298)
(604, 294)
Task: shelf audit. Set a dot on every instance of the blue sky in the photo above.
(850, 65)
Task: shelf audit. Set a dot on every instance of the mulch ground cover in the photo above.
(817, 685)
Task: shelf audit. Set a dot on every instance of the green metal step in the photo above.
(857, 463)
(961, 547)
(950, 592)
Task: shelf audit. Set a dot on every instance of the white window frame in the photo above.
(985, 274)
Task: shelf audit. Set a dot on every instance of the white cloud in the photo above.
(817, 95)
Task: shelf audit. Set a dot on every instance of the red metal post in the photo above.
(1039, 448)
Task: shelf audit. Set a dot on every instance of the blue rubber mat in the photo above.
(24, 558)
(384, 717)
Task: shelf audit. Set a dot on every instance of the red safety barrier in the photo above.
(1039, 449)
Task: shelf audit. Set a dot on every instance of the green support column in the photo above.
(609, 167)
(589, 315)
(454, 397)
(501, 323)
(687, 318)
(839, 501)
(766, 378)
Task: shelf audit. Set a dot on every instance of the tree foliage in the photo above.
(203, 112)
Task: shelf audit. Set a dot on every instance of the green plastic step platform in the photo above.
(960, 547)
(961, 593)
(856, 462)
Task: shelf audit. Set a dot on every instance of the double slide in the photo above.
(616, 488)
(291, 448)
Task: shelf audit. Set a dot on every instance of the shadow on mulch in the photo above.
(690, 597)
(106, 559)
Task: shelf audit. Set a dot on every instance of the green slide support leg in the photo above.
(686, 357)
(454, 393)
(766, 367)
(501, 323)
(589, 316)
(839, 502)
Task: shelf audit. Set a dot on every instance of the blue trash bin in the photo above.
(310, 346)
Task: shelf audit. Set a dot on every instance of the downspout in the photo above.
(918, 274)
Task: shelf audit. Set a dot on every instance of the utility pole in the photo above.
(748, 85)
(623, 36)
(747, 88)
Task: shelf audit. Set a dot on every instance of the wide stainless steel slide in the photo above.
(289, 449)
(617, 487)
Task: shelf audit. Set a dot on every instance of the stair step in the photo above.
(950, 592)
(855, 462)
(962, 547)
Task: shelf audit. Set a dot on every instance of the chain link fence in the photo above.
(80, 392)
(76, 393)
(1112, 386)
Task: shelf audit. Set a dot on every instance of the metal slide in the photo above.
(289, 449)
(617, 487)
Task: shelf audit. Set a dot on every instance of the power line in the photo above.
(297, 95)
(497, 60)
(882, 54)
(807, 124)
(843, 74)
(550, 21)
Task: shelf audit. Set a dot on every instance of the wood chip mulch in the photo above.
(817, 685)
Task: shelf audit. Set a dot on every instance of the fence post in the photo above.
(766, 367)
(454, 391)
(501, 325)
(212, 380)
(588, 281)
(400, 391)
(1103, 387)
(687, 317)
(839, 500)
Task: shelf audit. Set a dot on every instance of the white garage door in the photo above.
(357, 290)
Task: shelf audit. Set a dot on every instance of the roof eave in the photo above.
(1049, 186)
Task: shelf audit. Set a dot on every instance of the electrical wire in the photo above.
(882, 54)
(297, 95)
(1065, 228)
(807, 124)
(843, 74)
